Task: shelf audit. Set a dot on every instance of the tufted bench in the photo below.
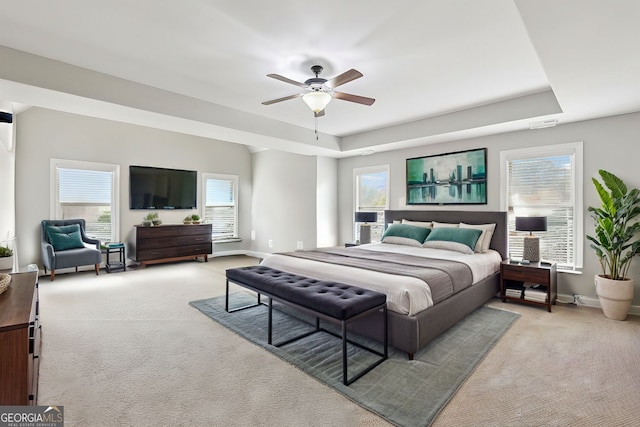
(327, 300)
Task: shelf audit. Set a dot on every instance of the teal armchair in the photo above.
(64, 244)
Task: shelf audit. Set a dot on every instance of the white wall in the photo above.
(7, 175)
(284, 197)
(610, 143)
(284, 201)
(327, 202)
(44, 134)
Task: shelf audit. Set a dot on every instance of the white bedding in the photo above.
(405, 294)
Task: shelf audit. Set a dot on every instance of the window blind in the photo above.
(220, 208)
(86, 194)
(544, 186)
(84, 186)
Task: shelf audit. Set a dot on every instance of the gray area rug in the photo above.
(404, 392)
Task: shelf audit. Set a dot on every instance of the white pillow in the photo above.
(397, 240)
(445, 244)
(437, 224)
(484, 241)
(426, 224)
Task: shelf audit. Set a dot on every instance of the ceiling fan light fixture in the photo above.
(316, 100)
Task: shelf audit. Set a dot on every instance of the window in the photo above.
(545, 181)
(221, 206)
(88, 191)
(371, 195)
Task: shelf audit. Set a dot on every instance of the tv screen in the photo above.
(159, 188)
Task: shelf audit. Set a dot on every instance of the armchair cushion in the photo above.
(65, 237)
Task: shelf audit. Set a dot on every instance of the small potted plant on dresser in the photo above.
(152, 218)
(615, 243)
(6, 258)
(195, 218)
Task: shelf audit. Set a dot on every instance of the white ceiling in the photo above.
(438, 69)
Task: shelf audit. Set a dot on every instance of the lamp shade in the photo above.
(531, 223)
(366, 216)
(316, 100)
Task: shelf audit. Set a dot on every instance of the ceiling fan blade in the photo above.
(353, 98)
(343, 78)
(319, 113)
(286, 98)
(286, 80)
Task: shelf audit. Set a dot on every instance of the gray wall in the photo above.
(286, 198)
(610, 143)
(44, 134)
(284, 201)
(327, 202)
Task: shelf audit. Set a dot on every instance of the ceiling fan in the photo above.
(318, 92)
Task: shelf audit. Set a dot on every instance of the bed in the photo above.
(417, 313)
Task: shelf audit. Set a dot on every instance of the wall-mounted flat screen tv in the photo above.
(160, 188)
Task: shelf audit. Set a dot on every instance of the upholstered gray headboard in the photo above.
(498, 242)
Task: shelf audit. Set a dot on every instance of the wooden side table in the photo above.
(515, 281)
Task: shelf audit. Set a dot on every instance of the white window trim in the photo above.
(203, 205)
(364, 170)
(572, 149)
(54, 164)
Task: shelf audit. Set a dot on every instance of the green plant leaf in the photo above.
(613, 183)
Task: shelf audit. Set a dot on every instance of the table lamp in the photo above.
(365, 228)
(531, 249)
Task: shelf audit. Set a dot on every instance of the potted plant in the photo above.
(187, 220)
(615, 243)
(6, 258)
(195, 218)
(151, 218)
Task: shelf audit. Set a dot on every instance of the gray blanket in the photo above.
(444, 277)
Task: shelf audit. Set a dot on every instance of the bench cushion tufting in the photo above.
(333, 299)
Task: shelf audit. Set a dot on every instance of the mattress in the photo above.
(405, 294)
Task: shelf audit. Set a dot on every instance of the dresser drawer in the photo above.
(202, 229)
(525, 274)
(156, 232)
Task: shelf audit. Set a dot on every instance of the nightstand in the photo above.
(534, 284)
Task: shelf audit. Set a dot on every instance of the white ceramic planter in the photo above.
(6, 263)
(615, 296)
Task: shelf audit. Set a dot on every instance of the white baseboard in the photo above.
(259, 255)
(592, 302)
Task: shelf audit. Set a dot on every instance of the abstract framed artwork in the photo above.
(451, 178)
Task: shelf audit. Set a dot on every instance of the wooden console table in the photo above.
(166, 243)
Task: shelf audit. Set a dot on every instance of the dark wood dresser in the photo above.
(165, 243)
(19, 341)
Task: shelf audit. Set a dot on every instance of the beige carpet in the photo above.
(126, 349)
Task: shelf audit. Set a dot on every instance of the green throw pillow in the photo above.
(407, 231)
(466, 236)
(65, 237)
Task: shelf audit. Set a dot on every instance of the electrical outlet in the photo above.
(270, 243)
(299, 245)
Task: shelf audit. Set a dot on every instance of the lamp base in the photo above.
(531, 248)
(365, 233)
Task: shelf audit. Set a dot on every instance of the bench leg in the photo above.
(383, 356)
(344, 353)
(226, 301)
(270, 324)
